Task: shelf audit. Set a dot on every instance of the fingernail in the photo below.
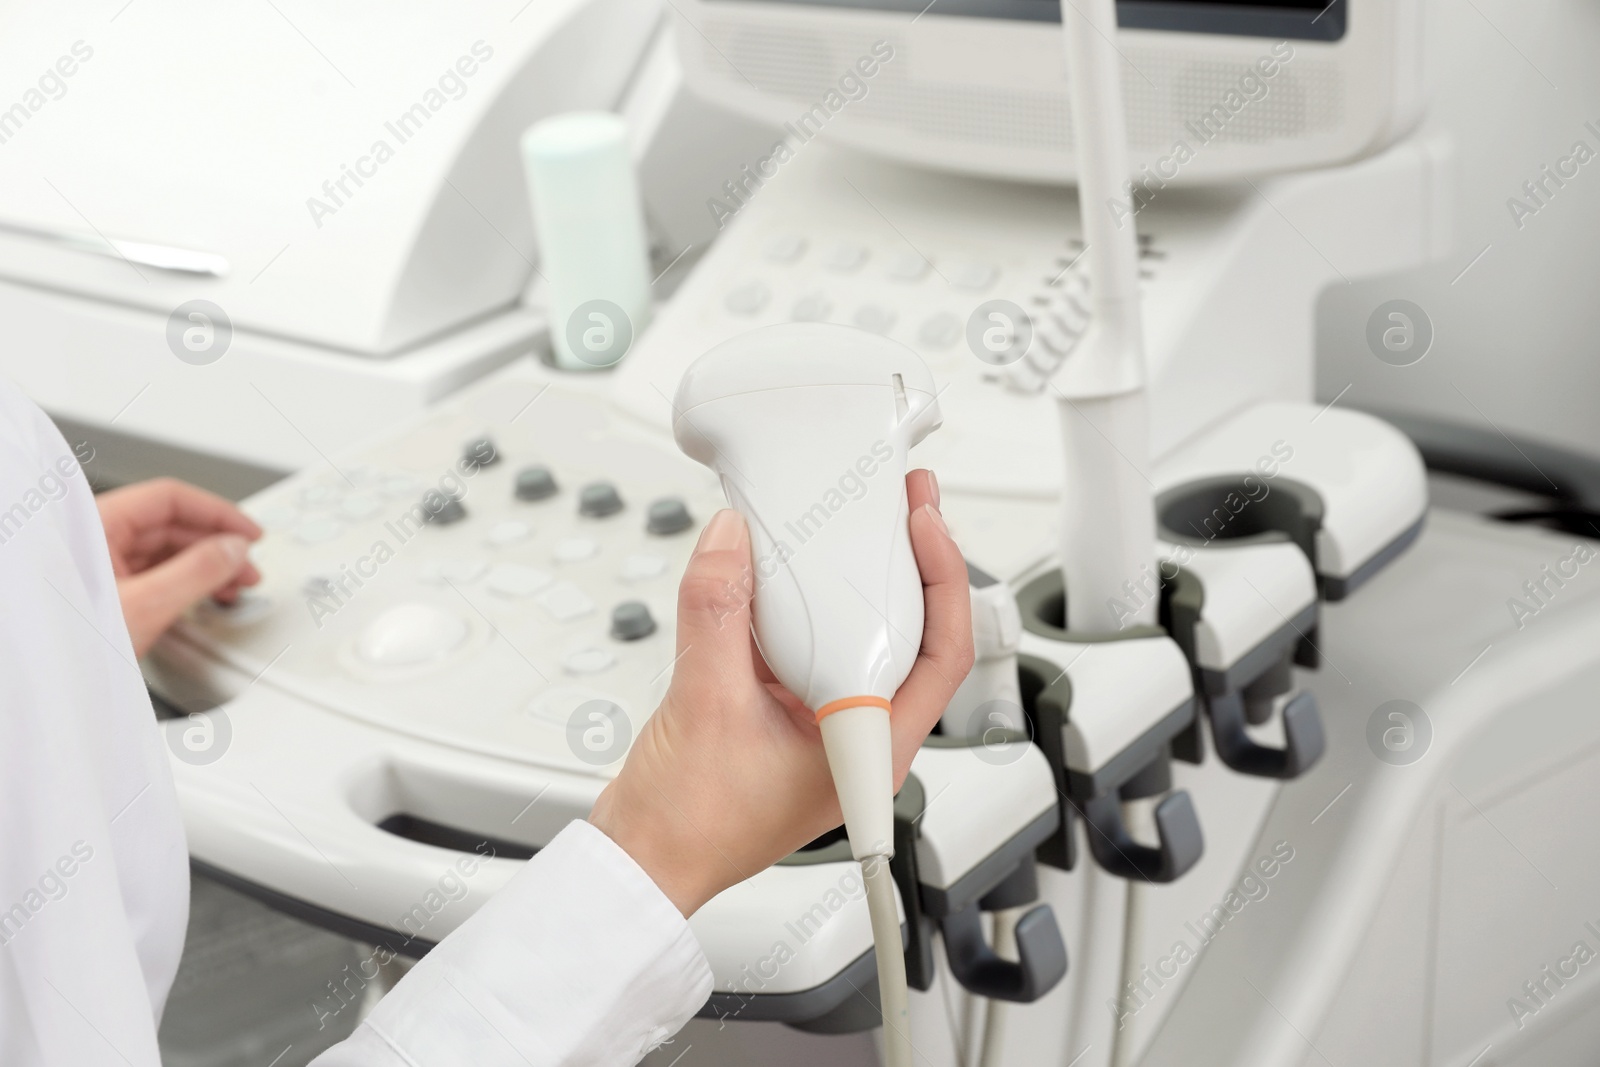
(938, 519)
(721, 532)
(233, 548)
(933, 487)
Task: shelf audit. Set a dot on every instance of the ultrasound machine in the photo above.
(1210, 809)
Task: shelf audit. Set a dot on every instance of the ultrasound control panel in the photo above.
(474, 579)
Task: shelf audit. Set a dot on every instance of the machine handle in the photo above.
(1041, 955)
(303, 822)
(1304, 741)
(1177, 829)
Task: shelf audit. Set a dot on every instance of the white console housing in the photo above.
(1228, 278)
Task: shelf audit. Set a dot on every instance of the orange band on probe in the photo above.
(850, 702)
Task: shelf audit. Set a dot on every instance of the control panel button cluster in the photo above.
(452, 573)
(794, 261)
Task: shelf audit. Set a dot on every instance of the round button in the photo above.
(747, 299)
(324, 585)
(669, 515)
(588, 660)
(785, 248)
(361, 476)
(812, 308)
(480, 452)
(400, 485)
(640, 567)
(575, 549)
(630, 620)
(565, 601)
(359, 506)
(940, 331)
(875, 317)
(554, 706)
(314, 531)
(516, 580)
(972, 275)
(443, 510)
(846, 258)
(319, 496)
(509, 532)
(276, 518)
(909, 267)
(535, 483)
(411, 635)
(599, 499)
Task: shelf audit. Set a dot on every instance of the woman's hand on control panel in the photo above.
(172, 545)
(729, 775)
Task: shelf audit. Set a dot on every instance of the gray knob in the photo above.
(669, 515)
(630, 620)
(599, 499)
(535, 483)
(480, 453)
(443, 510)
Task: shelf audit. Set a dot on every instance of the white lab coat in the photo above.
(579, 960)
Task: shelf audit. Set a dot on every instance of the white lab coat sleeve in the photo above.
(579, 960)
(94, 875)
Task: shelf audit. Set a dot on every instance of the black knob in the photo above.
(630, 620)
(669, 515)
(599, 499)
(442, 510)
(480, 453)
(535, 483)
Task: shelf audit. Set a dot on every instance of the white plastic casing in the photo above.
(368, 201)
(808, 426)
(808, 430)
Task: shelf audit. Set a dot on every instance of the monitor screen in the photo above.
(1307, 20)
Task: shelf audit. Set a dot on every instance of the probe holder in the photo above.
(1244, 615)
(1347, 488)
(1280, 506)
(1106, 710)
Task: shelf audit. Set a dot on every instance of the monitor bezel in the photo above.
(1330, 23)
